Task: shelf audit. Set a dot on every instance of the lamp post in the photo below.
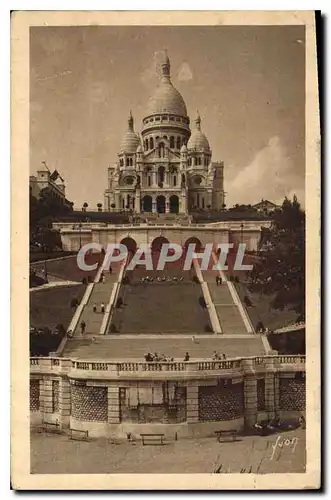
(241, 232)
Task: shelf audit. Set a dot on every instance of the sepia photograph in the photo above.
(171, 250)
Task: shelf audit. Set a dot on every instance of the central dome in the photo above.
(166, 98)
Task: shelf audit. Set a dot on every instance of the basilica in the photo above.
(169, 168)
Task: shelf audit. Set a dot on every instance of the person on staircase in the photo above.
(83, 327)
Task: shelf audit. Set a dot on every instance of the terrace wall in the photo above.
(179, 399)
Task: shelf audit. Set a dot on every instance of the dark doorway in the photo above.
(147, 203)
(130, 244)
(174, 204)
(158, 242)
(194, 240)
(160, 204)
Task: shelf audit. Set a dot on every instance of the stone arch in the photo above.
(147, 203)
(174, 204)
(130, 244)
(160, 204)
(193, 239)
(158, 242)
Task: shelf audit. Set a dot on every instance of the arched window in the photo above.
(149, 182)
(172, 142)
(151, 143)
(121, 162)
(146, 144)
(122, 202)
(178, 143)
(130, 162)
(175, 180)
(203, 202)
(199, 160)
(127, 162)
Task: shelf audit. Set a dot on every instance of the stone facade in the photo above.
(168, 168)
(194, 398)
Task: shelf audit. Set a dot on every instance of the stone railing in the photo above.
(51, 365)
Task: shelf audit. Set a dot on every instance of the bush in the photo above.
(202, 302)
(247, 301)
(113, 328)
(119, 302)
(74, 303)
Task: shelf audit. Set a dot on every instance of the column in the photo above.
(117, 200)
(183, 202)
(250, 393)
(137, 203)
(270, 386)
(113, 405)
(192, 403)
(154, 204)
(46, 398)
(167, 204)
(64, 401)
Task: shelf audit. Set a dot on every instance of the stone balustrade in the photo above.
(60, 365)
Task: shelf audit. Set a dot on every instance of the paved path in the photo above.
(52, 454)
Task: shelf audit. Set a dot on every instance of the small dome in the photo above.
(183, 149)
(198, 141)
(140, 149)
(166, 98)
(131, 140)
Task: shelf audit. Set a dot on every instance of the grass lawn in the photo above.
(49, 307)
(68, 269)
(261, 309)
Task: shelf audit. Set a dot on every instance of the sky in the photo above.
(248, 83)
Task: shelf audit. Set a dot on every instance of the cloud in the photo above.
(270, 176)
(150, 75)
(185, 73)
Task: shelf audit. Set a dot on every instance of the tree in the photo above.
(85, 205)
(281, 271)
(99, 205)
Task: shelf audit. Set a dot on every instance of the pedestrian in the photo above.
(94, 308)
(187, 357)
(83, 327)
(102, 307)
(217, 280)
(103, 279)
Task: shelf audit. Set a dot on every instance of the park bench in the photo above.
(78, 435)
(152, 439)
(226, 435)
(51, 427)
